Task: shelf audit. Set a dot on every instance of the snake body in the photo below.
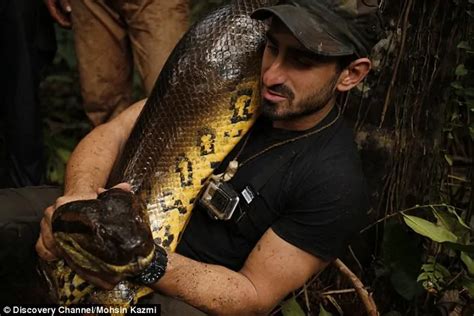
(205, 99)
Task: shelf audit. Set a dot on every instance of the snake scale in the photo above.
(205, 99)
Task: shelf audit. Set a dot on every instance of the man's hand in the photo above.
(123, 186)
(60, 10)
(47, 249)
(103, 280)
(46, 246)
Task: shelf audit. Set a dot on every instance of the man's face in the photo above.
(295, 82)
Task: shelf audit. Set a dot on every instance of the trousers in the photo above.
(21, 211)
(27, 46)
(111, 36)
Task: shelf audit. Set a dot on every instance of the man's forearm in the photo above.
(91, 162)
(211, 288)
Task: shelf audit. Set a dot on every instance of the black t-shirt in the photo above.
(314, 198)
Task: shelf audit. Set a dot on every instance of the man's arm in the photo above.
(273, 269)
(60, 11)
(88, 169)
(92, 160)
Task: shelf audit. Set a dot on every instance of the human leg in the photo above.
(27, 46)
(20, 213)
(171, 306)
(105, 61)
(154, 29)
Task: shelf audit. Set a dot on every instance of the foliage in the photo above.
(401, 256)
(323, 312)
(291, 308)
(435, 255)
(434, 276)
(64, 122)
(426, 252)
(451, 231)
(462, 96)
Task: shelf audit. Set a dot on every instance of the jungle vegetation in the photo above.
(413, 123)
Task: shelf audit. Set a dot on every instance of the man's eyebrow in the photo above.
(300, 51)
(304, 53)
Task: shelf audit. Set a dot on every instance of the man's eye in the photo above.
(272, 48)
(304, 61)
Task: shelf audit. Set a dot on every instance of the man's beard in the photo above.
(309, 105)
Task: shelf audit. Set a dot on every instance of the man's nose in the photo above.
(275, 74)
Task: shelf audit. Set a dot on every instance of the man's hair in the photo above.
(344, 61)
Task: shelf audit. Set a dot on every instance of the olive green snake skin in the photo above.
(205, 99)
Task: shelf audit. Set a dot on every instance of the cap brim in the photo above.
(314, 35)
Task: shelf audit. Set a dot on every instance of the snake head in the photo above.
(108, 234)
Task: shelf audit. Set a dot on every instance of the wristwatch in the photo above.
(156, 269)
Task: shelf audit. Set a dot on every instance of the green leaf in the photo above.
(433, 267)
(423, 276)
(429, 229)
(66, 49)
(457, 85)
(405, 284)
(454, 116)
(63, 79)
(63, 154)
(469, 262)
(401, 248)
(292, 308)
(469, 92)
(55, 169)
(461, 247)
(461, 70)
(434, 275)
(451, 221)
(449, 160)
(322, 311)
(468, 284)
(402, 253)
(464, 44)
(452, 210)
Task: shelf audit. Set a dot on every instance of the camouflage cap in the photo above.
(330, 28)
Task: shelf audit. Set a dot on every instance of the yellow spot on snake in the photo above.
(207, 144)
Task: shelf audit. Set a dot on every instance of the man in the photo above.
(27, 47)
(308, 207)
(110, 37)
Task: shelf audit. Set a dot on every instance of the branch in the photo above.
(397, 63)
(383, 219)
(366, 298)
(345, 291)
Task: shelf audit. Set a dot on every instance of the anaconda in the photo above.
(205, 99)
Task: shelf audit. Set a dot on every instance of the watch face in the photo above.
(152, 276)
(156, 269)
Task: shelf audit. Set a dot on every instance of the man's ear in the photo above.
(353, 74)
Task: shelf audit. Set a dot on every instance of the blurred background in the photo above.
(413, 121)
